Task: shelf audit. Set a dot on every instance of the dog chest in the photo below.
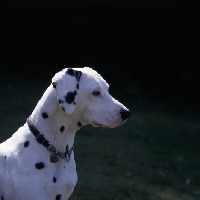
(64, 179)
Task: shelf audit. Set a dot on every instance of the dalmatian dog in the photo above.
(37, 162)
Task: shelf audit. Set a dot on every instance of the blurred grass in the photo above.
(154, 156)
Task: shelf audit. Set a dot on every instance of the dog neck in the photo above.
(51, 121)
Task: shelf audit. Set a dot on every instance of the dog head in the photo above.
(84, 92)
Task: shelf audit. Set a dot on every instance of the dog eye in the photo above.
(96, 93)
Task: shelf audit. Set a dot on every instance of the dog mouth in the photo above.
(95, 124)
(123, 121)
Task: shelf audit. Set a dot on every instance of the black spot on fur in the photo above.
(54, 179)
(62, 128)
(79, 124)
(77, 86)
(58, 197)
(74, 103)
(75, 73)
(70, 72)
(45, 115)
(63, 108)
(2, 198)
(54, 85)
(39, 165)
(67, 148)
(78, 75)
(69, 98)
(26, 144)
(61, 101)
(5, 157)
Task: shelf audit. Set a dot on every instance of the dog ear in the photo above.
(66, 84)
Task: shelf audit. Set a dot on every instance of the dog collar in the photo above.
(55, 155)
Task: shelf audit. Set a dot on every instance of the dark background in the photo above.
(144, 48)
(149, 52)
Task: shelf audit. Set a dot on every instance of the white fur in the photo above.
(19, 178)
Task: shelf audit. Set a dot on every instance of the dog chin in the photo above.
(95, 124)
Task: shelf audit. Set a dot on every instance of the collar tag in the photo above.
(53, 158)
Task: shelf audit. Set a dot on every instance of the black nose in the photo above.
(125, 114)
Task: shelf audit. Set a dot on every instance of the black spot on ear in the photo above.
(62, 128)
(77, 86)
(39, 165)
(26, 144)
(79, 124)
(54, 84)
(58, 196)
(45, 115)
(54, 179)
(70, 72)
(70, 97)
(78, 75)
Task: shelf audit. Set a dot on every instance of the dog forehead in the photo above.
(91, 80)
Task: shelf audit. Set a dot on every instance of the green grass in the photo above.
(153, 156)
